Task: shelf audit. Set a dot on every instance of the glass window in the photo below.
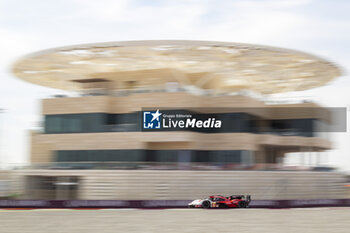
(234, 156)
(53, 124)
(166, 156)
(293, 127)
(76, 125)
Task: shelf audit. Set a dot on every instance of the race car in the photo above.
(219, 201)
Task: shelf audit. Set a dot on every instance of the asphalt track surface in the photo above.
(334, 220)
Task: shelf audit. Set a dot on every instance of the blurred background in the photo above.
(73, 129)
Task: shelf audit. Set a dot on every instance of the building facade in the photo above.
(101, 125)
(109, 129)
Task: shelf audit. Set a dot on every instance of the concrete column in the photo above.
(252, 157)
(57, 187)
(318, 158)
(247, 157)
(61, 188)
(302, 156)
(301, 159)
(325, 157)
(279, 155)
(310, 156)
(259, 156)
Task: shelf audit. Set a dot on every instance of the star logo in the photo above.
(156, 115)
(151, 119)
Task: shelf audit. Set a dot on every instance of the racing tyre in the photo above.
(242, 204)
(206, 204)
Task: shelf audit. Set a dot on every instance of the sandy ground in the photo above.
(177, 220)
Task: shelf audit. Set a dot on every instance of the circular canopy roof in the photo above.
(219, 66)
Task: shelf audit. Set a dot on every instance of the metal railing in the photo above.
(98, 165)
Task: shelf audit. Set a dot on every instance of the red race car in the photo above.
(219, 201)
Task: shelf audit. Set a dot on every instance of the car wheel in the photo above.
(242, 204)
(206, 204)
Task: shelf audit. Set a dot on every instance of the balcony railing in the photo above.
(165, 166)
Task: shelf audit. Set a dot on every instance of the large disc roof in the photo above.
(219, 66)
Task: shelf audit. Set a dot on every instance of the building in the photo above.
(100, 126)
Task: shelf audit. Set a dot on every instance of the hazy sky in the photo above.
(321, 27)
